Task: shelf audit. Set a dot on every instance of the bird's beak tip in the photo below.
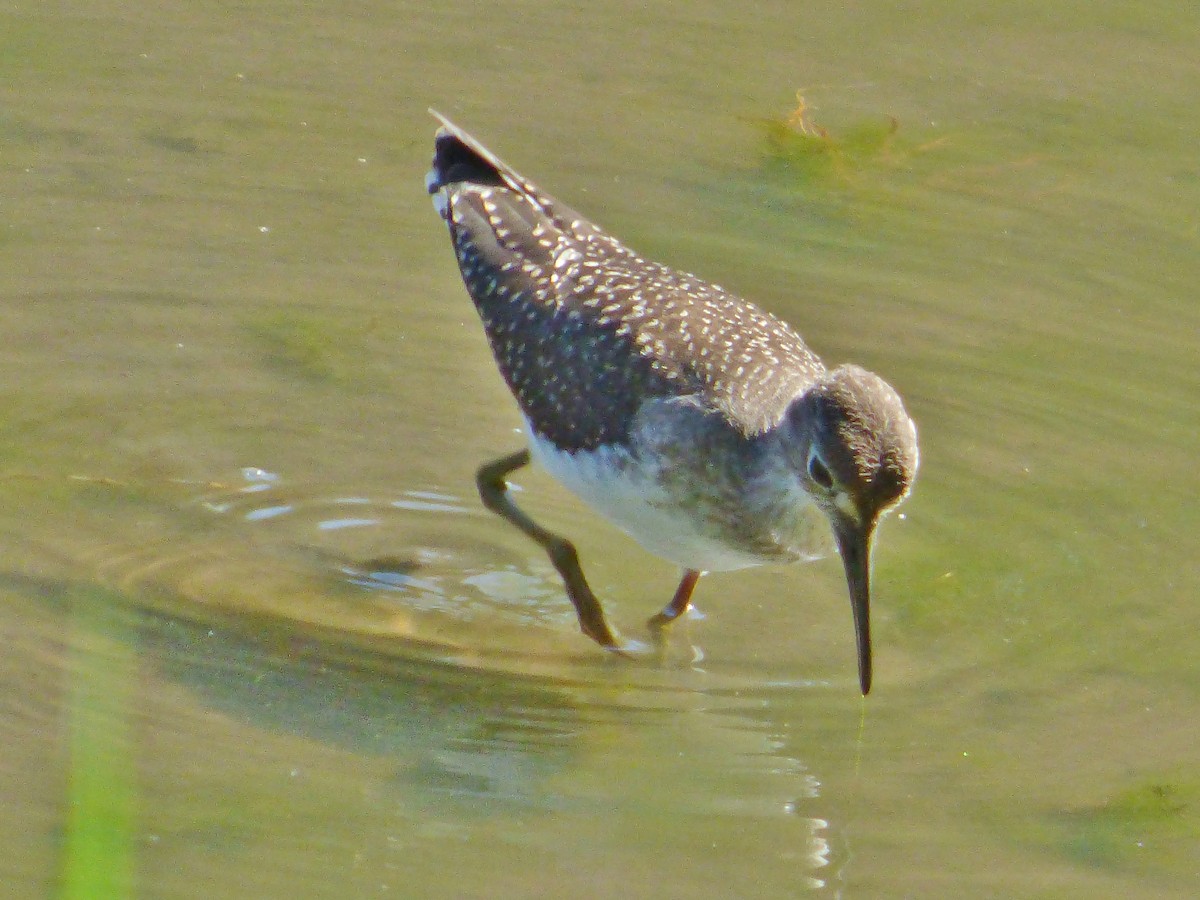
(854, 542)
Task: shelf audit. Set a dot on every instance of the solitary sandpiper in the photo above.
(696, 422)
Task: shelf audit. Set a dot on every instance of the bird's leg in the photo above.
(680, 603)
(493, 490)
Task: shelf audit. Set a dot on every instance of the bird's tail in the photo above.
(459, 158)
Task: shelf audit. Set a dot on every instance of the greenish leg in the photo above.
(493, 490)
(680, 603)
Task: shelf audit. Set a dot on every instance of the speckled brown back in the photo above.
(584, 329)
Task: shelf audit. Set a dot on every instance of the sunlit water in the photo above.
(260, 639)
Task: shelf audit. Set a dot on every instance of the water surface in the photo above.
(262, 640)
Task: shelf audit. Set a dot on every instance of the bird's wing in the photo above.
(583, 328)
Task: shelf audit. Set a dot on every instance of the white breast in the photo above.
(638, 506)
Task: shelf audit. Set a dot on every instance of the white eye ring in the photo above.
(818, 472)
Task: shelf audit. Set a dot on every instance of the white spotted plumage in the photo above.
(620, 365)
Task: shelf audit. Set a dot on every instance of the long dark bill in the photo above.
(854, 544)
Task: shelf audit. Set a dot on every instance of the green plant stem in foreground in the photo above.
(98, 848)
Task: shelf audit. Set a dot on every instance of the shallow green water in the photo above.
(251, 603)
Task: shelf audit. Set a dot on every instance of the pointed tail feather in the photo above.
(458, 157)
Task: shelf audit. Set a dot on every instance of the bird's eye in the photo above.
(818, 472)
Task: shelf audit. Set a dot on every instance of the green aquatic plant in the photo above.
(317, 349)
(796, 145)
(1145, 822)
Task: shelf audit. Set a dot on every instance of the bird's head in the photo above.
(856, 454)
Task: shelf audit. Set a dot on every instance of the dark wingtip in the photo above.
(458, 158)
